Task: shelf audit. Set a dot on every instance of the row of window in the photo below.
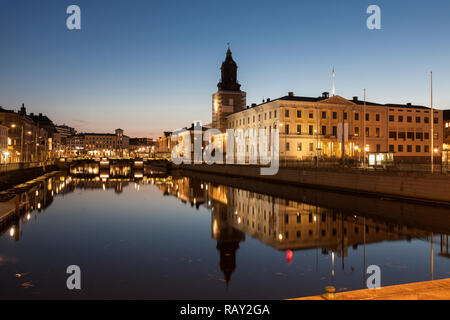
(409, 148)
(300, 146)
(241, 122)
(409, 119)
(411, 135)
(334, 130)
(334, 115)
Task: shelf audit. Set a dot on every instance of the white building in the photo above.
(99, 144)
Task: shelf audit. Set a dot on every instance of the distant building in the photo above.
(28, 141)
(4, 153)
(99, 144)
(64, 132)
(142, 147)
(51, 140)
(180, 138)
(165, 144)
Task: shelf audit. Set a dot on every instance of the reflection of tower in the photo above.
(229, 98)
(227, 257)
(227, 238)
(118, 187)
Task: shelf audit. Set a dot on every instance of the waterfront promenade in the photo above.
(401, 185)
(428, 290)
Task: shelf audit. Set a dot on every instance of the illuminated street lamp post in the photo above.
(364, 130)
(432, 127)
(284, 134)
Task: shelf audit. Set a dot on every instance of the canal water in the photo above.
(194, 237)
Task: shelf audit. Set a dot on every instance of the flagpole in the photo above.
(333, 89)
(432, 126)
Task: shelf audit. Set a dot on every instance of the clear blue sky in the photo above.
(148, 66)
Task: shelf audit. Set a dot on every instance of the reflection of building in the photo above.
(285, 224)
(279, 223)
(227, 238)
(4, 153)
(30, 203)
(99, 144)
(212, 196)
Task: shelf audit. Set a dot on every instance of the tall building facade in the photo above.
(334, 127)
(229, 98)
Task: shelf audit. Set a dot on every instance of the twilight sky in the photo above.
(152, 65)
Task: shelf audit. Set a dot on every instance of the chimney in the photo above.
(325, 94)
(290, 94)
(355, 98)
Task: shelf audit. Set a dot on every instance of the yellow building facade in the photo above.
(334, 127)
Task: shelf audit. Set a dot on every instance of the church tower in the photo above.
(229, 98)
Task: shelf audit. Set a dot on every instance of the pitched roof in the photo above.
(408, 105)
(339, 100)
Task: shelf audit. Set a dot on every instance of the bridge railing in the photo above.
(24, 165)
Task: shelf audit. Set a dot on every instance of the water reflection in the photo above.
(328, 223)
(285, 224)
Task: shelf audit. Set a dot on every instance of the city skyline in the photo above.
(205, 151)
(99, 78)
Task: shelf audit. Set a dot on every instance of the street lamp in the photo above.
(364, 130)
(284, 134)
